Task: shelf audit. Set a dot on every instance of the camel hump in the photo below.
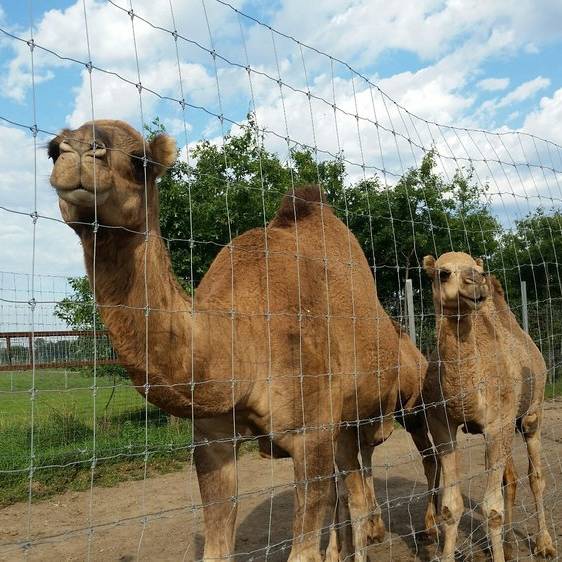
(298, 204)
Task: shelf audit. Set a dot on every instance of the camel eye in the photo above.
(444, 274)
(137, 163)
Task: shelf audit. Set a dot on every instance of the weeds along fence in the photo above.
(255, 113)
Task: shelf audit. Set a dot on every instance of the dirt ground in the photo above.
(159, 519)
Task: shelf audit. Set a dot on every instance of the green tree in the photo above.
(226, 189)
(77, 310)
(532, 253)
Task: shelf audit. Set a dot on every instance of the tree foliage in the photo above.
(225, 189)
(532, 253)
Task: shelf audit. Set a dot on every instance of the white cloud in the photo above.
(493, 84)
(56, 246)
(524, 91)
(113, 97)
(545, 121)
(176, 126)
(520, 94)
(456, 37)
(360, 30)
(111, 41)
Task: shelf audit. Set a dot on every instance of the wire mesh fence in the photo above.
(254, 369)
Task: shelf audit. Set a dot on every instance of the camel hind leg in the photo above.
(355, 501)
(360, 494)
(313, 462)
(340, 545)
(215, 463)
(377, 529)
(432, 470)
(510, 489)
(531, 426)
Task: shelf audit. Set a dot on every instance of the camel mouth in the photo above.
(475, 302)
(83, 197)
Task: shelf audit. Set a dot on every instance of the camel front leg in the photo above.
(314, 472)
(340, 546)
(498, 450)
(510, 489)
(216, 473)
(532, 433)
(445, 439)
(363, 511)
(432, 472)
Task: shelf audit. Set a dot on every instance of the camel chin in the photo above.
(82, 197)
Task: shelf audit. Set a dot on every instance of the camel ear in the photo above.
(429, 266)
(479, 262)
(164, 152)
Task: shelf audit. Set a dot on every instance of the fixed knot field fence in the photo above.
(312, 324)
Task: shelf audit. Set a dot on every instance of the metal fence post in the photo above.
(524, 311)
(410, 310)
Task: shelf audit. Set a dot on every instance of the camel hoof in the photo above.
(508, 551)
(544, 547)
(377, 531)
(431, 534)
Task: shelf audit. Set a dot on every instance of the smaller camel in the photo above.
(489, 378)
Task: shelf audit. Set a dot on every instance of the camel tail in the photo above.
(304, 201)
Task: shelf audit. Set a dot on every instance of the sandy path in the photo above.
(159, 520)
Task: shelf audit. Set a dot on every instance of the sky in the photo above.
(492, 65)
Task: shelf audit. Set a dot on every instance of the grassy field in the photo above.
(553, 389)
(70, 425)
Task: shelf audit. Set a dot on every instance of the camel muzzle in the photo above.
(471, 276)
(80, 174)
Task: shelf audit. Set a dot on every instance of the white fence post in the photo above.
(524, 311)
(410, 310)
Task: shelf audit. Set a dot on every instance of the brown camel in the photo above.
(285, 338)
(489, 378)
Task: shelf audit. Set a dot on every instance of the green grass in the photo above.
(67, 430)
(70, 425)
(553, 389)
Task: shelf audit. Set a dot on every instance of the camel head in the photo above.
(101, 164)
(459, 282)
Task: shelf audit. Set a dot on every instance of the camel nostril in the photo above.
(473, 277)
(97, 149)
(65, 147)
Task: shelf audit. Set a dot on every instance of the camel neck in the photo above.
(130, 270)
(457, 343)
(147, 313)
(459, 327)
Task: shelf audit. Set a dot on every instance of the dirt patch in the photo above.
(160, 519)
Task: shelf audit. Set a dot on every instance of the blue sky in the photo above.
(491, 65)
(518, 63)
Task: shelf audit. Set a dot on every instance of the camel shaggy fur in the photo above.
(489, 378)
(284, 340)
